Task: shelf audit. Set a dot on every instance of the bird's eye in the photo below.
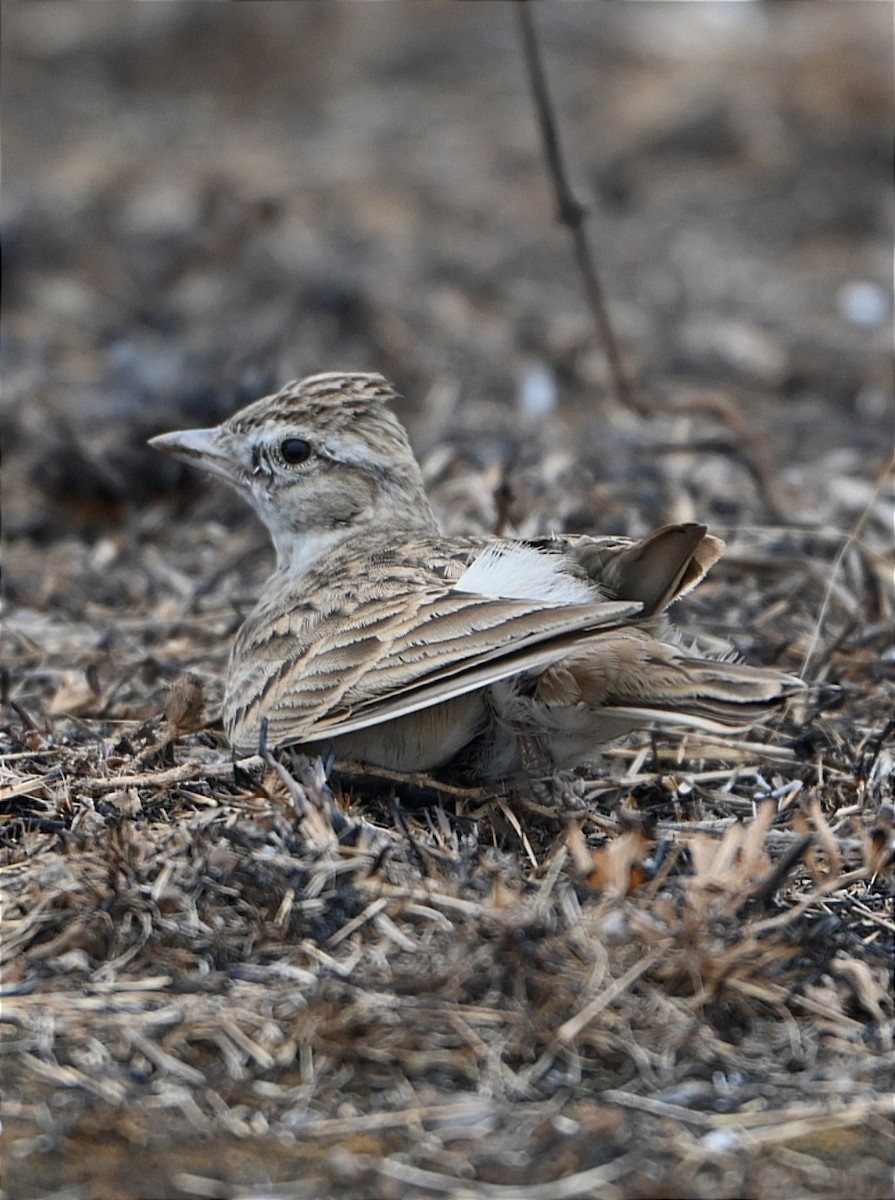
(295, 450)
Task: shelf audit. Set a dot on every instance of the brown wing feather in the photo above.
(633, 675)
(315, 677)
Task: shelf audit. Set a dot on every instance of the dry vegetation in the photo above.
(267, 979)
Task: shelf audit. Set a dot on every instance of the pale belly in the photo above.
(420, 741)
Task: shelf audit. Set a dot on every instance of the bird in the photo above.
(380, 640)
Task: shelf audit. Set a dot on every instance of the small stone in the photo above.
(184, 703)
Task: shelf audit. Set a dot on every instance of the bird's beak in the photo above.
(188, 443)
(204, 448)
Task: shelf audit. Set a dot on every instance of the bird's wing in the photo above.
(387, 651)
(629, 675)
(657, 570)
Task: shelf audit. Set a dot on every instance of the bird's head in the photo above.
(319, 460)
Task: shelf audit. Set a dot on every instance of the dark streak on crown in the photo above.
(318, 398)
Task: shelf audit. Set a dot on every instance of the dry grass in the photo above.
(676, 985)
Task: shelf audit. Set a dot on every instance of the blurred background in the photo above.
(203, 201)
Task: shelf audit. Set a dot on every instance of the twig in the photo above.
(185, 773)
(656, 1108)
(417, 786)
(837, 564)
(571, 212)
(567, 1187)
(463, 1113)
(30, 784)
(809, 1117)
(570, 1029)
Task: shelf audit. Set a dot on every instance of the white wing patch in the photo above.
(517, 572)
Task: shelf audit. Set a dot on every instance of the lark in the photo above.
(379, 638)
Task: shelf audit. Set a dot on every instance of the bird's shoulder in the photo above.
(391, 587)
(362, 571)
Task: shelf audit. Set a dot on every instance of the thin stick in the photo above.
(567, 1187)
(837, 564)
(571, 212)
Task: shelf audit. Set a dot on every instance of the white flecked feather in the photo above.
(520, 572)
